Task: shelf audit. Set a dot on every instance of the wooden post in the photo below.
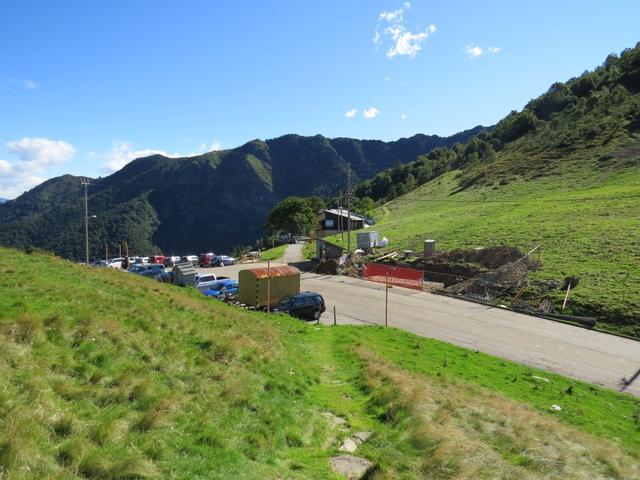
(106, 251)
(268, 286)
(120, 250)
(126, 249)
(334, 315)
(386, 301)
(518, 295)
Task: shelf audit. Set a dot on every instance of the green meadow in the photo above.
(106, 375)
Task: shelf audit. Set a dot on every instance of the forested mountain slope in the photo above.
(193, 204)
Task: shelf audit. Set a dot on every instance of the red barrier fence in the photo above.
(398, 276)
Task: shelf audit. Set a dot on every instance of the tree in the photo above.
(316, 203)
(292, 216)
(363, 206)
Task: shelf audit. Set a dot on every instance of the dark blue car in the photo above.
(304, 305)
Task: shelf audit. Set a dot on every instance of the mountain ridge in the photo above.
(190, 204)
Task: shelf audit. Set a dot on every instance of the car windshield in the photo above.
(284, 301)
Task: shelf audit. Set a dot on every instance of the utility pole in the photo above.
(340, 229)
(86, 182)
(348, 208)
(268, 286)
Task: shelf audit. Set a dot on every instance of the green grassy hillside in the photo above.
(586, 222)
(105, 375)
(564, 173)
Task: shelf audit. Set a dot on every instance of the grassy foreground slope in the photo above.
(104, 375)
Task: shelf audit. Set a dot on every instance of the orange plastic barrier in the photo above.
(398, 276)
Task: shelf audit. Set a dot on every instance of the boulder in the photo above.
(353, 468)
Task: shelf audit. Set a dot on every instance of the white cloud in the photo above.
(20, 83)
(371, 112)
(475, 51)
(387, 78)
(35, 156)
(351, 113)
(42, 150)
(407, 43)
(403, 116)
(5, 167)
(204, 148)
(404, 41)
(124, 152)
(393, 16)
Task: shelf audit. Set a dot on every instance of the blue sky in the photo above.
(87, 86)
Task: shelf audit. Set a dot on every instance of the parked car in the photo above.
(305, 305)
(203, 282)
(137, 268)
(223, 260)
(165, 276)
(206, 259)
(171, 261)
(115, 263)
(191, 258)
(159, 259)
(148, 267)
(159, 274)
(222, 289)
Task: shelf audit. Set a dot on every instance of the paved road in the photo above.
(293, 253)
(575, 352)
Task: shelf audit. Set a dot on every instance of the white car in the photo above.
(191, 258)
(115, 263)
(171, 261)
(204, 281)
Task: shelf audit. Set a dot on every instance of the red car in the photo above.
(157, 259)
(206, 259)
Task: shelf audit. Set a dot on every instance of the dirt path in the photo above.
(293, 253)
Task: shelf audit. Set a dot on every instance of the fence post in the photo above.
(386, 300)
(334, 315)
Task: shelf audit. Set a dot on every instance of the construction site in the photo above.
(496, 275)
